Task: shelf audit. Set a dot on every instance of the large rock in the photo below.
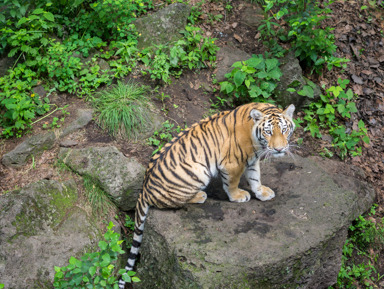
(163, 26)
(120, 177)
(292, 77)
(84, 116)
(41, 227)
(32, 146)
(293, 241)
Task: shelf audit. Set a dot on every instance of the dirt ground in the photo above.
(359, 36)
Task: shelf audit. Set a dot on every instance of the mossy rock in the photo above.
(41, 227)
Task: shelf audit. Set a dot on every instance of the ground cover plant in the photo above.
(365, 235)
(95, 269)
(76, 48)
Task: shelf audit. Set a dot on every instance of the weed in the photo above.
(163, 136)
(254, 79)
(99, 200)
(326, 113)
(122, 110)
(364, 235)
(312, 44)
(95, 270)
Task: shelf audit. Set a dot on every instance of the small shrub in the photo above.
(122, 109)
(95, 270)
(163, 136)
(252, 80)
(327, 112)
(365, 236)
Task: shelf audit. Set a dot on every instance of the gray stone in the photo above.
(84, 116)
(226, 57)
(117, 175)
(68, 143)
(163, 26)
(252, 16)
(41, 227)
(293, 241)
(32, 146)
(39, 90)
(292, 77)
(5, 64)
(104, 66)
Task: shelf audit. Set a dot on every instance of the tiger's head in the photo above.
(272, 130)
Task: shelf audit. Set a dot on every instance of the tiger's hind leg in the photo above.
(199, 198)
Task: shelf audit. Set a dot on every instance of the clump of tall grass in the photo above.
(122, 110)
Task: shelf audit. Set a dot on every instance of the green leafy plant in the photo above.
(163, 136)
(95, 270)
(122, 110)
(254, 79)
(364, 235)
(192, 51)
(313, 44)
(327, 112)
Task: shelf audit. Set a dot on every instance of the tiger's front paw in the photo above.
(239, 196)
(264, 193)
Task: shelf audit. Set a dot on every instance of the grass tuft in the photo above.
(98, 199)
(123, 110)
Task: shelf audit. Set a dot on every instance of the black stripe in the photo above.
(138, 231)
(136, 244)
(132, 257)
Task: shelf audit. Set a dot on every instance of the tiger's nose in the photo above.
(279, 149)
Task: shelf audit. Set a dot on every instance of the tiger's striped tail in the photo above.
(142, 208)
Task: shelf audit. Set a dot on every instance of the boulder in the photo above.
(41, 227)
(120, 177)
(163, 26)
(84, 116)
(252, 15)
(293, 241)
(292, 77)
(32, 146)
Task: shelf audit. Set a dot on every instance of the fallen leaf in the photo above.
(238, 38)
(356, 79)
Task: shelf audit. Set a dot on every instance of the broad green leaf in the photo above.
(38, 11)
(271, 63)
(306, 91)
(92, 271)
(49, 16)
(239, 78)
(256, 62)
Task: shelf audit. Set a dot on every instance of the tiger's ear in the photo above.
(289, 111)
(256, 115)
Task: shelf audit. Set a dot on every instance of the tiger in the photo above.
(227, 144)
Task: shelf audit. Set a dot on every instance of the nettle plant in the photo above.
(95, 270)
(192, 51)
(327, 112)
(313, 44)
(254, 79)
(358, 259)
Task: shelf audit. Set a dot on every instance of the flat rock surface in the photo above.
(293, 240)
